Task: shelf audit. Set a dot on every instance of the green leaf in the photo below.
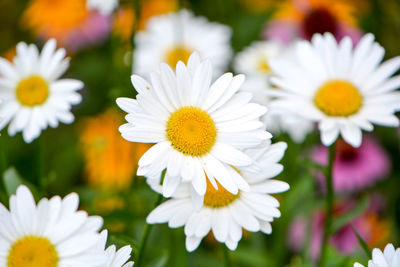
(337, 259)
(159, 261)
(12, 179)
(123, 240)
(251, 257)
(363, 244)
(346, 218)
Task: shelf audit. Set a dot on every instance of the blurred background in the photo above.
(91, 158)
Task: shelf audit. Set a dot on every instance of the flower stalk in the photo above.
(227, 260)
(41, 162)
(330, 198)
(147, 229)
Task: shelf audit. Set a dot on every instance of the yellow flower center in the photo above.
(191, 131)
(32, 251)
(338, 98)
(263, 66)
(178, 53)
(218, 198)
(32, 91)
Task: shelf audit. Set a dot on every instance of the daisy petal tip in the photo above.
(326, 142)
(245, 187)
(24, 190)
(200, 189)
(165, 67)
(370, 36)
(283, 145)
(191, 244)
(120, 101)
(167, 192)
(52, 40)
(328, 35)
(241, 77)
(195, 56)
(285, 187)
(140, 172)
(233, 190)
(354, 142)
(28, 138)
(267, 135)
(151, 218)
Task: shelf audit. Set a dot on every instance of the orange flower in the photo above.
(124, 22)
(10, 53)
(68, 21)
(125, 16)
(155, 7)
(110, 161)
(108, 204)
(378, 230)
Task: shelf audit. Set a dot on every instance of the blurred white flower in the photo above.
(254, 62)
(104, 7)
(175, 36)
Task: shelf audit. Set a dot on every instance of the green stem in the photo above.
(227, 260)
(137, 9)
(147, 230)
(3, 156)
(3, 168)
(181, 4)
(330, 198)
(41, 162)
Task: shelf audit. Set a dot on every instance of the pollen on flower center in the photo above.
(191, 131)
(218, 198)
(178, 53)
(263, 66)
(32, 91)
(32, 251)
(338, 98)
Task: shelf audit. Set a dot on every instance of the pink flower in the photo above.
(303, 18)
(369, 225)
(354, 169)
(94, 30)
(287, 32)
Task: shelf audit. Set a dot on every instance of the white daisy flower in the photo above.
(116, 258)
(389, 258)
(32, 95)
(199, 127)
(175, 36)
(51, 233)
(254, 61)
(224, 213)
(104, 7)
(342, 89)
